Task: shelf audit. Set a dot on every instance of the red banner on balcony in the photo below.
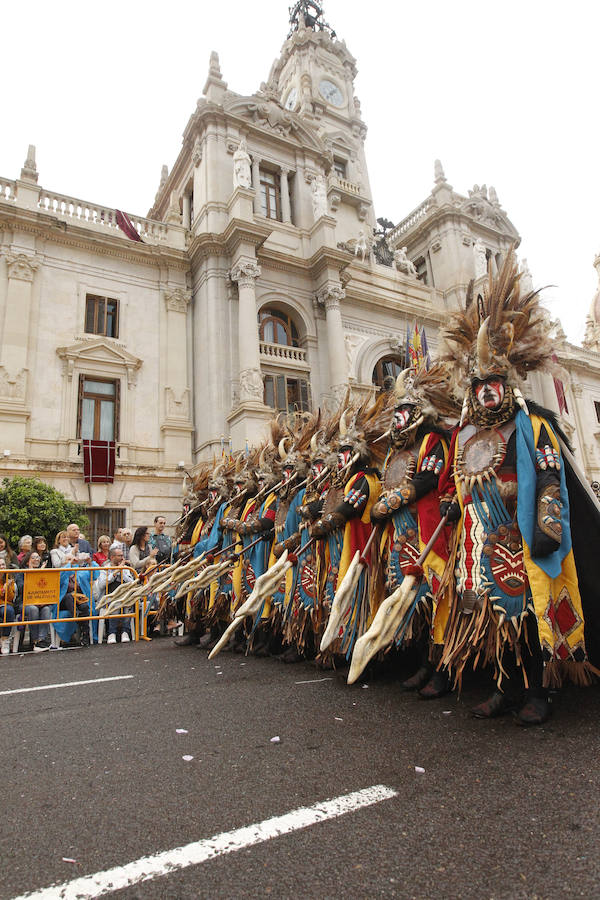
(98, 462)
(127, 226)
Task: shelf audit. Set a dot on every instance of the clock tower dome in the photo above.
(314, 78)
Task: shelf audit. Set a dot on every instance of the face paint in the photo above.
(344, 456)
(317, 467)
(287, 474)
(402, 417)
(212, 495)
(490, 393)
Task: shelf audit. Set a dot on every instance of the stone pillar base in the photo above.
(98, 494)
(177, 442)
(247, 424)
(14, 426)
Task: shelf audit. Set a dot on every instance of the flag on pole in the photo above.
(425, 348)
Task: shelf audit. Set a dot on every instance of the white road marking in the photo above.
(49, 687)
(149, 867)
(313, 681)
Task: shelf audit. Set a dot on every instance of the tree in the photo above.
(30, 506)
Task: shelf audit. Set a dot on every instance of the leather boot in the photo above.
(497, 704)
(437, 686)
(418, 680)
(535, 711)
(187, 640)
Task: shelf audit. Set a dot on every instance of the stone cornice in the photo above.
(241, 231)
(572, 357)
(68, 233)
(439, 215)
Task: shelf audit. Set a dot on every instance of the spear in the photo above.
(263, 587)
(342, 601)
(389, 615)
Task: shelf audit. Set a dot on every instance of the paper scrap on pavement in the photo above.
(276, 740)
(420, 770)
(187, 758)
(181, 730)
(68, 859)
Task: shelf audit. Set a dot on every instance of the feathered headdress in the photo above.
(362, 428)
(504, 333)
(430, 390)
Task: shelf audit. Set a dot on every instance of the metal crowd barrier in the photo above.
(8, 574)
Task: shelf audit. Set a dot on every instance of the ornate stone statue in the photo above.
(526, 279)
(319, 197)
(403, 263)
(479, 258)
(241, 166)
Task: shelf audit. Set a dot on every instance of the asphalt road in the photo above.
(95, 773)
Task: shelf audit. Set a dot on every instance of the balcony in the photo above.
(283, 355)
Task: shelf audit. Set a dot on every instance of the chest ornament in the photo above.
(480, 458)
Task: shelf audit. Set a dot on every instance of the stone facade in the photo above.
(263, 225)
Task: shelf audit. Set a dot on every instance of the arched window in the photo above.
(276, 327)
(386, 371)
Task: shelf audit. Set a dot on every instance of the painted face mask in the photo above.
(402, 416)
(344, 457)
(317, 467)
(490, 393)
(286, 475)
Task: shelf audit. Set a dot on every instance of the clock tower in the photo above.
(314, 78)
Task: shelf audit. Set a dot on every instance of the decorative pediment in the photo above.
(266, 112)
(488, 212)
(100, 356)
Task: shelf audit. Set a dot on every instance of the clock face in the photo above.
(290, 100)
(331, 92)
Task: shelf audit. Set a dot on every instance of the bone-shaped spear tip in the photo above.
(342, 601)
(389, 615)
(264, 586)
(383, 627)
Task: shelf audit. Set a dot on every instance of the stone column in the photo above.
(187, 219)
(245, 273)
(330, 295)
(177, 427)
(256, 183)
(14, 369)
(286, 212)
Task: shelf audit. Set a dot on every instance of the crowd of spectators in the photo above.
(80, 590)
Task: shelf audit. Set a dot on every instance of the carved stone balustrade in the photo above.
(94, 214)
(339, 190)
(409, 221)
(280, 353)
(7, 190)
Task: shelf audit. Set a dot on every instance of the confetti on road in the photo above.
(187, 758)
(337, 719)
(418, 769)
(276, 740)
(181, 730)
(68, 859)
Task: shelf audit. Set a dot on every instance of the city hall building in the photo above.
(259, 281)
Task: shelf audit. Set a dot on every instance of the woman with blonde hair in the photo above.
(61, 554)
(101, 557)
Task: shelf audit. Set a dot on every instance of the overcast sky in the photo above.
(504, 94)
